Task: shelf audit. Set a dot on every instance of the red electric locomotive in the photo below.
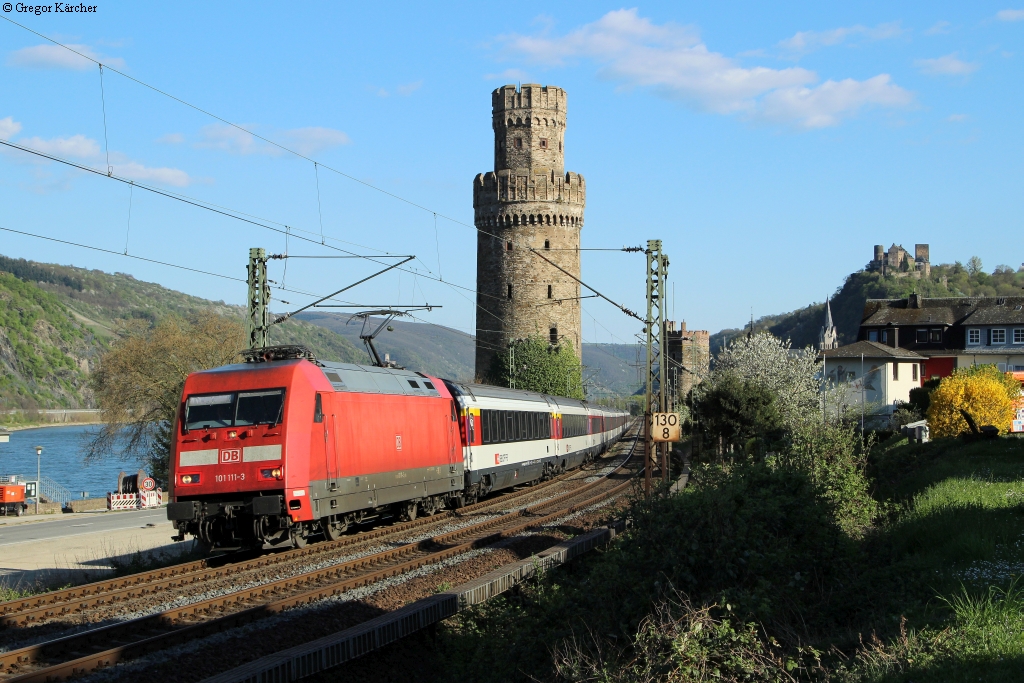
(279, 448)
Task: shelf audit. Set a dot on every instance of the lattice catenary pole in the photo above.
(258, 321)
(656, 401)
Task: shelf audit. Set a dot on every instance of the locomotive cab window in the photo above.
(244, 409)
(209, 412)
(259, 407)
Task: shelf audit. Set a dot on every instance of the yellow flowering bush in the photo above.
(984, 392)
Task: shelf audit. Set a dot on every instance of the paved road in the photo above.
(80, 524)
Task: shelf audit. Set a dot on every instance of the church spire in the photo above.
(828, 338)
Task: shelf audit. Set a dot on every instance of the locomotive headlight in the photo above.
(276, 473)
(190, 479)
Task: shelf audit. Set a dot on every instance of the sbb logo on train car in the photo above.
(665, 427)
(230, 455)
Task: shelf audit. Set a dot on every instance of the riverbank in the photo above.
(41, 425)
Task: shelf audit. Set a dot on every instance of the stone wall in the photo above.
(527, 202)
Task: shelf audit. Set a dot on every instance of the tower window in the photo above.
(543, 143)
(547, 244)
(510, 290)
(519, 143)
(559, 146)
(553, 335)
(508, 245)
(551, 294)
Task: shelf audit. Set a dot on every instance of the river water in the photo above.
(62, 461)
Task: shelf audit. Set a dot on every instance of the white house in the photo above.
(875, 374)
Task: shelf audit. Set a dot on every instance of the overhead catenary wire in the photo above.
(103, 105)
(298, 154)
(316, 163)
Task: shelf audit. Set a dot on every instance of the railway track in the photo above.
(105, 646)
(34, 610)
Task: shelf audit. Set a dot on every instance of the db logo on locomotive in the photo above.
(230, 455)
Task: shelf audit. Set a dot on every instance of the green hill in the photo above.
(803, 325)
(444, 352)
(56, 320)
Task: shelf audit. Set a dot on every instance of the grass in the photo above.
(954, 541)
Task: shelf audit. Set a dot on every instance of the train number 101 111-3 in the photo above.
(665, 427)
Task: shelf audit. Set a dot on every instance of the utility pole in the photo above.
(657, 273)
(258, 321)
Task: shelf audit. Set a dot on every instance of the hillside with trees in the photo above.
(55, 322)
(802, 326)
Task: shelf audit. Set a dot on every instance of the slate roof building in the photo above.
(949, 332)
(874, 374)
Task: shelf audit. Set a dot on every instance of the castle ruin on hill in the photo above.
(898, 261)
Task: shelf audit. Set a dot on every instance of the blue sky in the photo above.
(768, 148)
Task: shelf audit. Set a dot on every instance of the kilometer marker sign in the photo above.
(665, 427)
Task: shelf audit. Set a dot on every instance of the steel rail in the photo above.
(31, 610)
(157, 624)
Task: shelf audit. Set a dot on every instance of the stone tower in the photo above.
(528, 202)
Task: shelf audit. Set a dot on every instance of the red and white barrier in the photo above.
(135, 501)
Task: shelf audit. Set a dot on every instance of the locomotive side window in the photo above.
(207, 412)
(259, 407)
(318, 409)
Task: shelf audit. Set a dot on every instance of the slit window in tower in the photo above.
(508, 245)
(519, 143)
(547, 244)
(553, 335)
(510, 290)
(550, 292)
(559, 146)
(543, 143)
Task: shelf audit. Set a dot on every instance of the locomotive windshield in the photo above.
(241, 409)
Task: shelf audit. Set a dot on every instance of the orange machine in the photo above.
(12, 499)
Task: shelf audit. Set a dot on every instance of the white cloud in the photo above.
(939, 28)
(166, 176)
(825, 105)
(9, 128)
(806, 41)
(171, 139)
(56, 57)
(673, 61)
(313, 140)
(77, 146)
(948, 65)
(1010, 15)
(233, 140)
(957, 118)
(306, 141)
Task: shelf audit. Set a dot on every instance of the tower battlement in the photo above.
(529, 127)
(529, 201)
